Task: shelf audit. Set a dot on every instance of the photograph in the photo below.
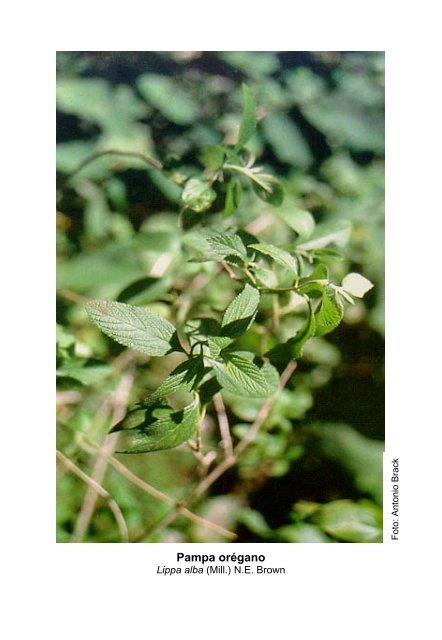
(220, 288)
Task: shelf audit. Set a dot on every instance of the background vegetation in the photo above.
(314, 473)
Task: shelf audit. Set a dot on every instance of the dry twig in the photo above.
(159, 495)
(97, 488)
(118, 401)
(227, 463)
(223, 423)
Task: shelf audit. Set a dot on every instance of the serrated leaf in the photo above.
(239, 376)
(217, 344)
(326, 233)
(133, 327)
(292, 349)
(198, 329)
(271, 376)
(248, 119)
(274, 194)
(265, 277)
(240, 313)
(223, 245)
(207, 390)
(329, 314)
(186, 376)
(356, 284)
(316, 280)
(299, 220)
(278, 255)
(165, 432)
(233, 196)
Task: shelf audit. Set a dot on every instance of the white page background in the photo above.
(329, 591)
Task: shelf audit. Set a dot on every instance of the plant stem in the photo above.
(178, 507)
(224, 428)
(152, 162)
(227, 463)
(119, 402)
(97, 488)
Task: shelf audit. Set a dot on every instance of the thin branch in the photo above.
(259, 224)
(245, 441)
(114, 152)
(227, 463)
(67, 397)
(275, 313)
(183, 511)
(178, 507)
(71, 296)
(163, 522)
(223, 423)
(119, 401)
(229, 270)
(93, 484)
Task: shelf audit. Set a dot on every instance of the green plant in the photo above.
(228, 276)
(210, 342)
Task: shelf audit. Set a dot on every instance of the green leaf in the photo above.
(292, 349)
(351, 522)
(144, 290)
(248, 120)
(302, 532)
(253, 63)
(274, 194)
(359, 456)
(233, 196)
(217, 344)
(286, 140)
(299, 220)
(271, 376)
(82, 372)
(186, 376)
(223, 245)
(315, 281)
(197, 195)
(133, 327)
(197, 329)
(356, 284)
(240, 313)
(208, 389)
(254, 521)
(169, 430)
(240, 376)
(212, 156)
(328, 233)
(65, 343)
(329, 314)
(279, 255)
(165, 94)
(265, 277)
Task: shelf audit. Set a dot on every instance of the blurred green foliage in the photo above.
(314, 473)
